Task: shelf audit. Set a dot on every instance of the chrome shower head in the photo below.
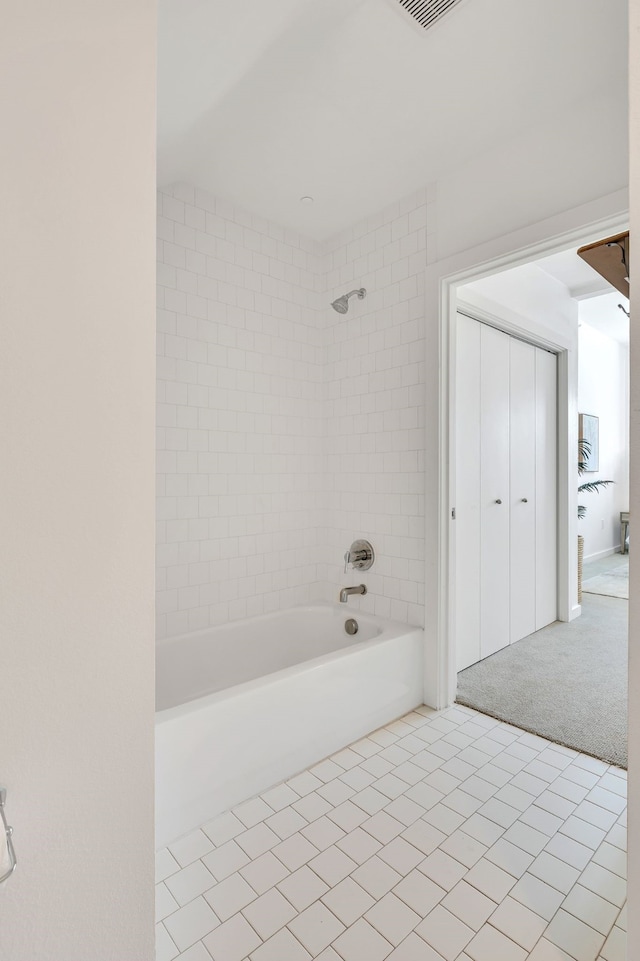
(342, 303)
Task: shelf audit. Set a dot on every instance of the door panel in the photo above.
(467, 497)
(523, 490)
(546, 489)
(494, 490)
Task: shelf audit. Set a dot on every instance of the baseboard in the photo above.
(576, 611)
(599, 554)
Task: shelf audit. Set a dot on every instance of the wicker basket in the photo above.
(580, 555)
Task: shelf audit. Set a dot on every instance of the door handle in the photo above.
(525, 500)
(498, 501)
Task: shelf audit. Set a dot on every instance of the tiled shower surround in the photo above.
(286, 430)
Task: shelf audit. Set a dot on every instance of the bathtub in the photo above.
(245, 706)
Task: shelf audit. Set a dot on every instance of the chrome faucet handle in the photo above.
(347, 560)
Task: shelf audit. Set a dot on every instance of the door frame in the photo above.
(442, 280)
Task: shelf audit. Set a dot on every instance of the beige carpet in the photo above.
(567, 682)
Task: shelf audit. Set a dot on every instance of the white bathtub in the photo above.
(245, 706)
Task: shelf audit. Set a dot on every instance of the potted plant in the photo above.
(592, 486)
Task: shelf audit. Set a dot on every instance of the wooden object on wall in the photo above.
(610, 257)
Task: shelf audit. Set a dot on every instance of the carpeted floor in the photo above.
(608, 576)
(567, 682)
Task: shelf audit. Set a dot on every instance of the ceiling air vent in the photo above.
(425, 13)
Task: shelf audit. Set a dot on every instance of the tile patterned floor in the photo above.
(442, 837)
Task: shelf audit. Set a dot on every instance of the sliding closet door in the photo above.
(494, 490)
(546, 489)
(467, 498)
(505, 490)
(523, 449)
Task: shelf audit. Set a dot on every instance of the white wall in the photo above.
(240, 423)
(633, 935)
(76, 393)
(603, 390)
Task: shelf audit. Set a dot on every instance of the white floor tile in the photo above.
(166, 949)
(279, 797)
(357, 778)
(265, 871)
(575, 937)
(191, 847)
(376, 877)
(490, 880)
(191, 923)
(223, 828)
(232, 941)
(311, 806)
(537, 895)
(165, 902)
(316, 928)
(348, 901)
(294, 852)
(336, 791)
(281, 946)
(518, 923)
(332, 865)
(510, 858)
(322, 833)
(469, 905)
(286, 822)
(166, 865)
(612, 858)
(359, 846)
(257, 840)
(303, 887)
(463, 848)
(566, 849)
(443, 869)
(401, 856)
(347, 816)
(252, 812)
(197, 952)
(383, 827)
(268, 913)
(226, 858)
(490, 944)
(392, 918)
(188, 883)
(230, 896)
(361, 941)
(605, 883)
(445, 933)
(444, 837)
(414, 948)
(546, 951)
(555, 872)
(591, 908)
(615, 947)
(527, 838)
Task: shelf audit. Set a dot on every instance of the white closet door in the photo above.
(467, 496)
(494, 490)
(546, 489)
(523, 448)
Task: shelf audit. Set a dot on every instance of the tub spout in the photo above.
(347, 591)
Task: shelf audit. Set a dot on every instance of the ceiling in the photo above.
(265, 101)
(597, 299)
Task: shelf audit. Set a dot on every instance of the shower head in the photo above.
(342, 303)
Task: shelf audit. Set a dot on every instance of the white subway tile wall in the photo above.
(286, 430)
(374, 407)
